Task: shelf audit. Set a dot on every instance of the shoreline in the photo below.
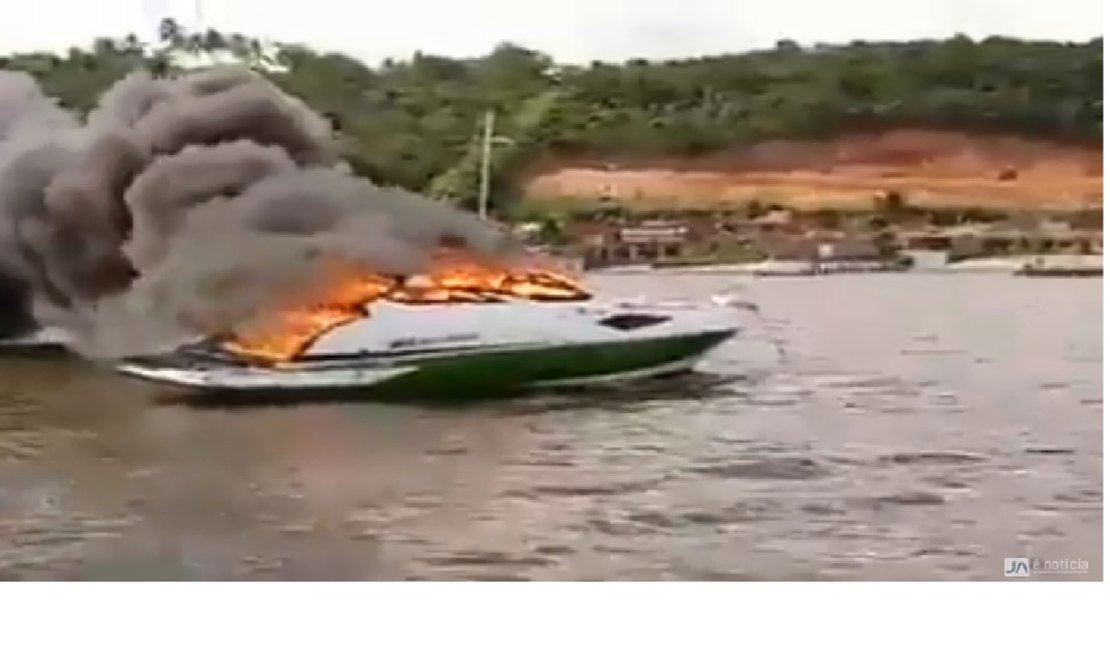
(1054, 265)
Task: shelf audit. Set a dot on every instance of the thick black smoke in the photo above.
(186, 205)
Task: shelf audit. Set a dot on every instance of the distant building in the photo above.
(657, 234)
(819, 245)
(968, 241)
(644, 242)
(775, 221)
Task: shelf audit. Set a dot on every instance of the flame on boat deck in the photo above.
(286, 332)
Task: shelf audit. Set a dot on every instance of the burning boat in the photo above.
(212, 208)
(462, 330)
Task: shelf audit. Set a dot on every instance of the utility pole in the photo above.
(487, 146)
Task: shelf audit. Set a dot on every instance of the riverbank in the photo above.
(1058, 265)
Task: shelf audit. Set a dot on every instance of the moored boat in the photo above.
(40, 341)
(1062, 266)
(1034, 272)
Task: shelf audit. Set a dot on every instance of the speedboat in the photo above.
(508, 344)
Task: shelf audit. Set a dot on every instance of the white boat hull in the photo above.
(462, 349)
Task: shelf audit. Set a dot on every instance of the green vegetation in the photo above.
(416, 123)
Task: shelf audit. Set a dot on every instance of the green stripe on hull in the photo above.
(487, 373)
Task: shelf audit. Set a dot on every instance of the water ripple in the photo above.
(933, 458)
(960, 427)
(792, 469)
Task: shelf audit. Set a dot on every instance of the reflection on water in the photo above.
(918, 427)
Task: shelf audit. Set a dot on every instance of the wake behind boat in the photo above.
(426, 350)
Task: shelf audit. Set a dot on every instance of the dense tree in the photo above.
(416, 123)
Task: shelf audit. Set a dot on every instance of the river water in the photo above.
(918, 427)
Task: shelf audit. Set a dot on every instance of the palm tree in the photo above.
(170, 32)
(194, 43)
(256, 51)
(132, 44)
(239, 47)
(104, 47)
(214, 41)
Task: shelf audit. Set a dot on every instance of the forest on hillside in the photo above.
(416, 123)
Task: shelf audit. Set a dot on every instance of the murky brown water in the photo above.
(919, 427)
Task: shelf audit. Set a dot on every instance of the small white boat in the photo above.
(47, 339)
(1062, 266)
(426, 350)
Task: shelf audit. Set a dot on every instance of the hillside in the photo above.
(928, 168)
(946, 118)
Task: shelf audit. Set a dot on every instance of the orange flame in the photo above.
(288, 331)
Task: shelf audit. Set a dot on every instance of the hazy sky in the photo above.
(571, 30)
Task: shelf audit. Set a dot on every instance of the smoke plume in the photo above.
(183, 206)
